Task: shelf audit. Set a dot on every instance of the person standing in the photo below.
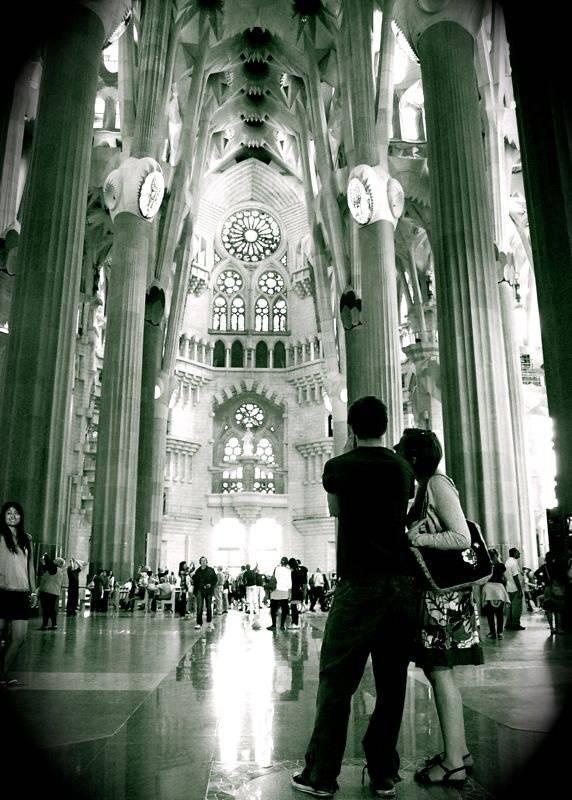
(495, 597)
(449, 620)
(17, 586)
(204, 582)
(515, 590)
(319, 589)
(375, 608)
(249, 578)
(281, 594)
(74, 568)
(50, 587)
(297, 595)
(218, 591)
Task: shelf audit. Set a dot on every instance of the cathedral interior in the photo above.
(221, 222)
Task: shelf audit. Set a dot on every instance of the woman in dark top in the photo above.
(297, 595)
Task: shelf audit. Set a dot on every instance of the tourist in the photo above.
(297, 595)
(515, 590)
(495, 597)
(204, 582)
(50, 587)
(280, 595)
(75, 566)
(17, 586)
(449, 624)
(375, 608)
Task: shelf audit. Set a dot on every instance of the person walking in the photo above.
(495, 597)
(515, 590)
(319, 589)
(50, 587)
(204, 582)
(218, 591)
(17, 586)
(249, 578)
(375, 608)
(449, 623)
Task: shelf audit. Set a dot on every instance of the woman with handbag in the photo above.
(17, 586)
(554, 597)
(495, 597)
(449, 634)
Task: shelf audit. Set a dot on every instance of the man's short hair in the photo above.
(368, 417)
(513, 551)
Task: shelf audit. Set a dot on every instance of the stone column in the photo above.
(543, 115)
(118, 439)
(36, 399)
(373, 348)
(476, 409)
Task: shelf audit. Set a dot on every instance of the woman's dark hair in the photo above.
(292, 563)
(284, 561)
(22, 538)
(367, 417)
(424, 446)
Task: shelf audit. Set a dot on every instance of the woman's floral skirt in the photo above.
(449, 632)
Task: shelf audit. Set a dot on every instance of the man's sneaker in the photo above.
(302, 785)
(383, 787)
(380, 787)
(294, 627)
(198, 627)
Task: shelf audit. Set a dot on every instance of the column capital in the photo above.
(373, 195)
(415, 17)
(137, 187)
(114, 16)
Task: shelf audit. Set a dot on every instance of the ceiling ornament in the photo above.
(373, 195)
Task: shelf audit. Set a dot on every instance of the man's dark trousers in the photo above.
(380, 619)
(204, 596)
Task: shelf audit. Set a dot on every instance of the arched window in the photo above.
(261, 315)
(237, 355)
(237, 314)
(279, 356)
(265, 451)
(219, 354)
(219, 314)
(261, 356)
(279, 313)
(232, 449)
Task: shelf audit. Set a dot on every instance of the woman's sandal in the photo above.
(422, 776)
(468, 762)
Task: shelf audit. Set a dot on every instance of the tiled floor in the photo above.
(147, 707)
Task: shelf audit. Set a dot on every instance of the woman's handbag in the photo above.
(448, 570)
(272, 582)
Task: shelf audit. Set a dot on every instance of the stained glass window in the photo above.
(219, 313)
(232, 449)
(265, 451)
(249, 415)
(250, 235)
(232, 481)
(229, 282)
(264, 481)
(271, 282)
(279, 314)
(261, 315)
(237, 314)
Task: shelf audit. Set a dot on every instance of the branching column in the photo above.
(36, 398)
(374, 364)
(476, 409)
(118, 436)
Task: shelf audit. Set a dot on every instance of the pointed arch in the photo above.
(279, 356)
(237, 354)
(220, 313)
(261, 356)
(262, 315)
(237, 314)
(219, 354)
(279, 314)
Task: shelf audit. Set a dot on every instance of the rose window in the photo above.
(250, 235)
(249, 415)
(229, 282)
(271, 282)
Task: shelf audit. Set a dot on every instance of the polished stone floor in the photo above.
(144, 706)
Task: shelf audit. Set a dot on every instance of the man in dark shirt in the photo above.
(375, 606)
(204, 582)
